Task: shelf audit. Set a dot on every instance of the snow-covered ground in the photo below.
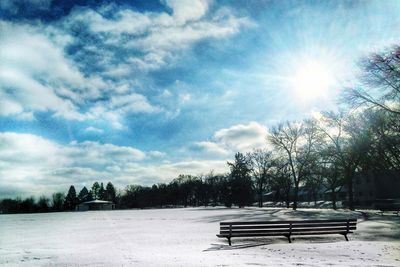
(187, 237)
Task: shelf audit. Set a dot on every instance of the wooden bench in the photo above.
(286, 228)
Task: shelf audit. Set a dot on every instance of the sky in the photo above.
(138, 92)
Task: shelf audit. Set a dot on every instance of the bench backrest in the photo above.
(287, 227)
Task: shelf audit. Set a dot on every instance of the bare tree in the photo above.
(281, 180)
(261, 163)
(296, 142)
(380, 82)
(384, 130)
(346, 143)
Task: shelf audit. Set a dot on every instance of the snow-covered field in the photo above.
(186, 237)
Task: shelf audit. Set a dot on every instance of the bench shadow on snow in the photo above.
(247, 214)
(243, 243)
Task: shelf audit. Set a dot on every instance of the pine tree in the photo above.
(71, 200)
(110, 192)
(102, 192)
(84, 195)
(95, 190)
(241, 183)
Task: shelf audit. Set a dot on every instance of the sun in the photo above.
(312, 80)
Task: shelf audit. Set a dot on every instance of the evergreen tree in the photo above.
(241, 183)
(71, 200)
(102, 192)
(110, 192)
(84, 195)
(95, 190)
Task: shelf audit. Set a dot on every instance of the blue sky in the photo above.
(137, 92)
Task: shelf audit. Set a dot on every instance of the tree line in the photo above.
(327, 150)
(59, 201)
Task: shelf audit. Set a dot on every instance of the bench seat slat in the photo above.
(283, 234)
(286, 222)
(323, 224)
(267, 226)
(336, 229)
(254, 226)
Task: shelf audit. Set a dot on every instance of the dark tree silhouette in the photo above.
(84, 195)
(379, 82)
(43, 204)
(297, 142)
(95, 192)
(57, 202)
(28, 205)
(281, 181)
(102, 192)
(71, 200)
(261, 164)
(110, 192)
(241, 184)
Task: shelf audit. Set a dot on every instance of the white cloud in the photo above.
(39, 75)
(159, 36)
(33, 165)
(156, 154)
(92, 154)
(184, 98)
(114, 110)
(28, 94)
(243, 137)
(125, 21)
(34, 70)
(94, 130)
(131, 103)
(188, 10)
(165, 172)
(211, 148)
(32, 52)
(237, 138)
(27, 149)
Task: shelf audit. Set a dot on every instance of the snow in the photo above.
(187, 237)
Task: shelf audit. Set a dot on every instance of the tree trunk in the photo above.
(349, 179)
(296, 194)
(350, 189)
(260, 197)
(287, 202)
(287, 198)
(333, 198)
(315, 196)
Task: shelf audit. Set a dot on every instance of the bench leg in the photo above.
(288, 237)
(345, 236)
(229, 241)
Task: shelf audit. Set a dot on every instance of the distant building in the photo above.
(373, 186)
(322, 194)
(340, 191)
(95, 205)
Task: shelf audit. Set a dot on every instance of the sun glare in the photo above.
(312, 81)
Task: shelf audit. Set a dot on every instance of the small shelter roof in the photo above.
(97, 201)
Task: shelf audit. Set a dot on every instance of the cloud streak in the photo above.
(33, 165)
(81, 67)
